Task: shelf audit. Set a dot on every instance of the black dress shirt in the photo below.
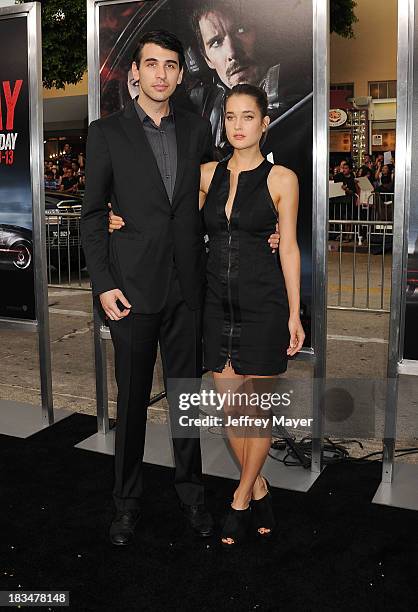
(162, 140)
(346, 179)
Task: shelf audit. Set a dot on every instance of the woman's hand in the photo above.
(297, 336)
(115, 222)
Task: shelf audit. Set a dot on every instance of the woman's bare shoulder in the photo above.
(282, 173)
(206, 173)
(209, 167)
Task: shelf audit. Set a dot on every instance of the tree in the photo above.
(64, 42)
(342, 17)
(64, 37)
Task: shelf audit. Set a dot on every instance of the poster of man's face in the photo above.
(267, 43)
(228, 45)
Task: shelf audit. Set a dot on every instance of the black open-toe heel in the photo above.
(263, 515)
(236, 527)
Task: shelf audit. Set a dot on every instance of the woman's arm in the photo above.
(206, 175)
(284, 187)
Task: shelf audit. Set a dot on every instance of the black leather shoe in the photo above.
(199, 518)
(123, 526)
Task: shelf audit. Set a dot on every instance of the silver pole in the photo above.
(38, 199)
(102, 405)
(319, 221)
(402, 196)
(100, 359)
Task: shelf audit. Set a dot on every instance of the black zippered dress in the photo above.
(246, 313)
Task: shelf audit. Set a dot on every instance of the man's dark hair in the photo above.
(163, 39)
(257, 93)
(208, 6)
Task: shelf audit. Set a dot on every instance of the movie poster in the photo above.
(411, 311)
(264, 42)
(410, 346)
(16, 247)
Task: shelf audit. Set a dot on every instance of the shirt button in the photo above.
(172, 216)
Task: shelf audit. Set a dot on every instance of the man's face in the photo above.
(345, 168)
(158, 73)
(229, 48)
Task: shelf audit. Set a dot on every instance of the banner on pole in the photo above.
(16, 240)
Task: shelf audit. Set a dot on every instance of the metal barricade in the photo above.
(381, 202)
(344, 207)
(359, 276)
(65, 258)
(378, 207)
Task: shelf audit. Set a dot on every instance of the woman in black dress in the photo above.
(251, 317)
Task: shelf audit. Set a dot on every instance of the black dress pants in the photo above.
(135, 339)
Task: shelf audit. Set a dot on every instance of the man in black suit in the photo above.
(149, 276)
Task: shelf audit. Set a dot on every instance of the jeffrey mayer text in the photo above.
(242, 421)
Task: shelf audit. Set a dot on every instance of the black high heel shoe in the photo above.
(236, 527)
(263, 515)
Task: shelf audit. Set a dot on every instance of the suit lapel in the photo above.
(183, 140)
(145, 156)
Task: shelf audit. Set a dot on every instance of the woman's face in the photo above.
(385, 169)
(244, 124)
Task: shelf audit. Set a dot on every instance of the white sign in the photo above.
(336, 117)
(387, 157)
(335, 190)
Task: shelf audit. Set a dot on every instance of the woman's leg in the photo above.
(257, 442)
(250, 444)
(225, 381)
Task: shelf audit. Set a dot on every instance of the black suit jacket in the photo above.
(122, 169)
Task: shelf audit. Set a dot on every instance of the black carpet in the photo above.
(334, 550)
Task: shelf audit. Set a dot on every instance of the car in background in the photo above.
(16, 250)
(63, 240)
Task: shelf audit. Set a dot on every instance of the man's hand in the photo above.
(108, 301)
(115, 222)
(274, 240)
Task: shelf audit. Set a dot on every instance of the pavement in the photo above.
(356, 351)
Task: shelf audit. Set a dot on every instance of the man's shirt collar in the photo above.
(143, 115)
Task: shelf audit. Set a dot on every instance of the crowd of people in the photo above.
(66, 173)
(355, 204)
(380, 175)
